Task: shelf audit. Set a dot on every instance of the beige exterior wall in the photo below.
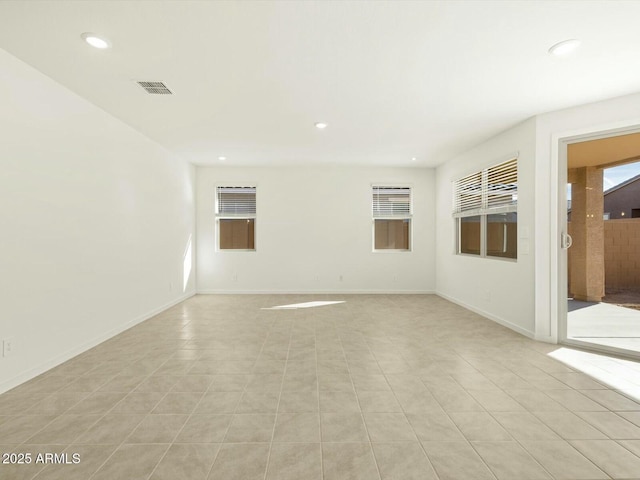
(622, 253)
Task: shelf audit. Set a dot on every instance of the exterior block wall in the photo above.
(622, 253)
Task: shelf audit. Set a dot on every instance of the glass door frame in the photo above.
(560, 144)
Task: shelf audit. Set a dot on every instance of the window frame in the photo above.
(483, 209)
(486, 238)
(408, 216)
(219, 216)
(458, 230)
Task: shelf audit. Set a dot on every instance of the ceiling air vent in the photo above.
(155, 88)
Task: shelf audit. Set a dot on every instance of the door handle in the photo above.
(566, 241)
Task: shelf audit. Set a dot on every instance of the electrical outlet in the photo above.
(171, 286)
(7, 346)
(340, 277)
(235, 277)
(395, 278)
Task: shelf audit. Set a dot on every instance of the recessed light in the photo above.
(95, 41)
(413, 159)
(565, 47)
(222, 159)
(321, 125)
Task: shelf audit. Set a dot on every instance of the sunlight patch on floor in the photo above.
(295, 306)
(616, 373)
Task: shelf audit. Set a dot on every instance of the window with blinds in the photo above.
(391, 202)
(502, 187)
(485, 206)
(391, 211)
(236, 201)
(236, 217)
(468, 194)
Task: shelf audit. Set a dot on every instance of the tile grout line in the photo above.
(515, 440)
(215, 457)
(137, 424)
(404, 413)
(180, 431)
(275, 422)
(101, 417)
(569, 387)
(244, 391)
(23, 444)
(315, 355)
(360, 328)
(495, 420)
(373, 455)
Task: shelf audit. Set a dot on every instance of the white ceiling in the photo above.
(394, 80)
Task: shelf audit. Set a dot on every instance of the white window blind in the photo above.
(492, 190)
(236, 201)
(502, 185)
(467, 193)
(391, 202)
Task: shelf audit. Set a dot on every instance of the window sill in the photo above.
(391, 250)
(241, 250)
(487, 257)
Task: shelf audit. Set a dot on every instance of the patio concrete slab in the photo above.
(604, 324)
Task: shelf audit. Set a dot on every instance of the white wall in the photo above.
(502, 290)
(314, 225)
(615, 114)
(522, 295)
(95, 221)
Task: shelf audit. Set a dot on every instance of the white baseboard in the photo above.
(63, 357)
(546, 339)
(490, 316)
(315, 292)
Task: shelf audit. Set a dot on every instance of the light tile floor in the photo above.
(378, 387)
